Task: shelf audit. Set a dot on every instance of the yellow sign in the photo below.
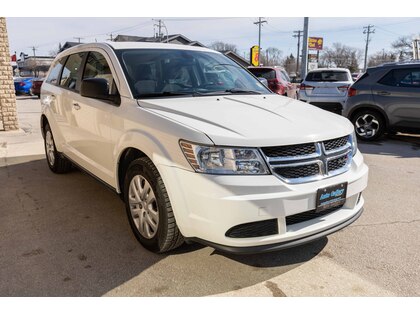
(255, 51)
(315, 43)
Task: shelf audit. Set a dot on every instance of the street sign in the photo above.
(315, 43)
(255, 50)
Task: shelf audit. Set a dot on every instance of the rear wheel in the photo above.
(56, 162)
(149, 209)
(368, 124)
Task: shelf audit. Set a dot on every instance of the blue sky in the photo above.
(46, 32)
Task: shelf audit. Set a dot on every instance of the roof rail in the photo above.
(400, 62)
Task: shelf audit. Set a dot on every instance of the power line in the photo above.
(367, 30)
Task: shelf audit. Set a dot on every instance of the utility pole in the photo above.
(367, 30)
(111, 37)
(304, 67)
(260, 21)
(298, 35)
(34, 50)
(78, 38)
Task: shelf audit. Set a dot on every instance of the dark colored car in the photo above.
(278, 80)
(385, 98)
(23, 85)
(36, 87)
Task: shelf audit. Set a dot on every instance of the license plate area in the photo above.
(331, 197)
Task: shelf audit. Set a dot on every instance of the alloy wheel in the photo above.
(143, 206)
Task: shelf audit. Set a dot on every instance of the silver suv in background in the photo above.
(326, 88)
(385, 99)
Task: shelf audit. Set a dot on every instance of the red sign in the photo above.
(13, 57)
(315, 43)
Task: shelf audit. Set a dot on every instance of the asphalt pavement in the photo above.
(68, 235)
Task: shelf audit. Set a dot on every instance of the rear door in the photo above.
(398, 92)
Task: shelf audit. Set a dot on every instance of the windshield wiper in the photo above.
(165, 94)
(234, 90)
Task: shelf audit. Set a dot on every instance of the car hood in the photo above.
(251, 120)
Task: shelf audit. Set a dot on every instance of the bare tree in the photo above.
(341, 56)
(381, 57)
(272, 56)
(403, 47)
(289, 64)
(221, 46)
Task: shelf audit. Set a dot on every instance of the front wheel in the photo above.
(369, 125)
(56, 162)
(149, 209)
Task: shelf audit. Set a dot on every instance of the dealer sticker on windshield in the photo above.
(331, 197)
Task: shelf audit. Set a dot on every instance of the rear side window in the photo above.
(268, 74)
(402, 78)
(55, 71)
(328, 76)
(70, 71)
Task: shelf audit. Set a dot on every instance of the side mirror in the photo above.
(97, 88)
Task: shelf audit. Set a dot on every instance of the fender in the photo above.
(149, 144)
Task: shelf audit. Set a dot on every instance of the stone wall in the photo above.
(8, 117)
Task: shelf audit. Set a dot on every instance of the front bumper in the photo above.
(207, 206)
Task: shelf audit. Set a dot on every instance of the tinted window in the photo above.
(173, 72)
(285, 75)
(55, 71)
(97, 67)
(402, 78)
(268, 74)
(70, 71)
(328, 76)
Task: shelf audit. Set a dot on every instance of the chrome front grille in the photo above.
(310, 161)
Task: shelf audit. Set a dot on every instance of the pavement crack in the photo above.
(384, 223)
(274, 288)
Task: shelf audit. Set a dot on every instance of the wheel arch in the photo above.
(43, 123)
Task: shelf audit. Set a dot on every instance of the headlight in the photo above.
(353, 143)
(222, 160)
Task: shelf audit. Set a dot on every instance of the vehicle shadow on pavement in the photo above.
(68, 235)
(391, 145)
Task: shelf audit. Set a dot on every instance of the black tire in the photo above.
(377, 122)
(58, 164)
(167, 237)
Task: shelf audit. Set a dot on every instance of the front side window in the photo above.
(55, 71)
(71, 71)
(97, 67)
(172, 72)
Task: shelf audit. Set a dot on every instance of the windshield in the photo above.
(328, 76)
(171, 72)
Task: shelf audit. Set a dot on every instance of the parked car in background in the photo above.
(385, 98)
(326, 88)
(36, 87)
(278, 80)
(23, 85)
(356, 75)
(199, 149)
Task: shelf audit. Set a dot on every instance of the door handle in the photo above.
(383, 93)
(76, 106)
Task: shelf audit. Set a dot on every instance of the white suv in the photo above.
(199, 149)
